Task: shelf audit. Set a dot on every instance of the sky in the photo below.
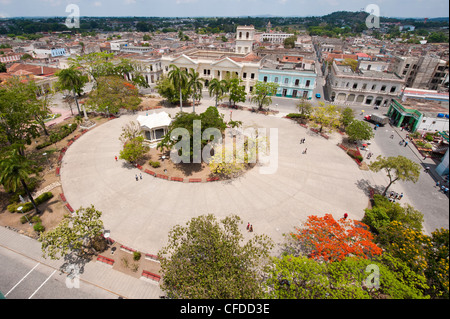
(216, 8)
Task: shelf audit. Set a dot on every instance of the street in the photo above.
(25, 278)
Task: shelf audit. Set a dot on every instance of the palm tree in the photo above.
(217, 88)
(15, 171)
(179, 79)
(72, 79)
(196, 84)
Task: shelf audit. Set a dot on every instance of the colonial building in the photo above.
(292, 83)
(363, 87)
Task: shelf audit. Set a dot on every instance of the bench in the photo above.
(162, 176)
(127, 249)
(151, 276)
(149, 172)
(69, 208)
(195, 180)
(105, 260)
(325, 136)
(152, 257)
(177, 179)
(212, 179)
(57, 171)
(63, 198)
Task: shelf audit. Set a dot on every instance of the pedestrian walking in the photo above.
(137, 178)
(401, 196)
(406, 143)
(251, 228)
(248, 226)
(140, 175)
(345, 216)
(115, 158)
(438, 184)
(304, 152)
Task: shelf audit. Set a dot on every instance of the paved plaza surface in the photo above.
(141, 213)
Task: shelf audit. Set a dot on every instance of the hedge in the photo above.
(26, 207)
(55, 137)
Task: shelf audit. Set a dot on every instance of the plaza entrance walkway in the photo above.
(141, 213)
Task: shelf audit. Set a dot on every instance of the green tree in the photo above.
(289, 43)
(347, 116)
(326, 116)
(2, 67)
(72, 79)
(383, 212)
(211, 118)
(17, 101)
(179, 80)
(15, 170)
(196, 85)
(262, 93)
(236, 92)
(302, 278)
(397, 168)
(112, 94)
(305, 108)
(134, 150)
(210, 260)
(76, 233)
(217, 88)
(359, 130)
(437, 271)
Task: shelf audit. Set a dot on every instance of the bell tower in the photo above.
(245, 36)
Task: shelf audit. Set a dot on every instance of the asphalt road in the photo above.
(24, 278)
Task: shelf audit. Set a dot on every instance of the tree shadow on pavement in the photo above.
(367, 188)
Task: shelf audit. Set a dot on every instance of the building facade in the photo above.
(369, 87)
(292, 83)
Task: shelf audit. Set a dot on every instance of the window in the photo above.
(348, 84)
(369, 67)
(364, 86)
(251, 89)
(374, 87)
(244, 75)
(383, 88)
(407, 66)
(308, 83)
(355, 85)
(297, 82)
(248, 35)
(265, 79)
(276, 79)
(286, 81)
(240, 35)
(252, 76)
(393, 89)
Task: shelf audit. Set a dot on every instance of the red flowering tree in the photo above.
(324, 238)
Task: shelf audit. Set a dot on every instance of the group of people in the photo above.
(249, 227)
(404, 142)
(443, 188)
(393, 196)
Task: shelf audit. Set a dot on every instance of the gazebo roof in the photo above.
(154, 120)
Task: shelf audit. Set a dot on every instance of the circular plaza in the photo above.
(140, 213)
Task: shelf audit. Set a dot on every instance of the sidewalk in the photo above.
(94, 273)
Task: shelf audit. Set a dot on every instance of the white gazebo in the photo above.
(154, 126)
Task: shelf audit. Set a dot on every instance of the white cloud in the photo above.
(97, 4)
(130, 1)
(186, 1)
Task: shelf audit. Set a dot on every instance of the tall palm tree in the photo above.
(196, 84)
(72, 79)
(15, 170)
(217, 88)
(179, 79)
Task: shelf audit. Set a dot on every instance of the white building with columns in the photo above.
(243, 63)
(362, 87)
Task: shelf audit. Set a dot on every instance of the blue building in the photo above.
(292, 83)
(58, 52)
